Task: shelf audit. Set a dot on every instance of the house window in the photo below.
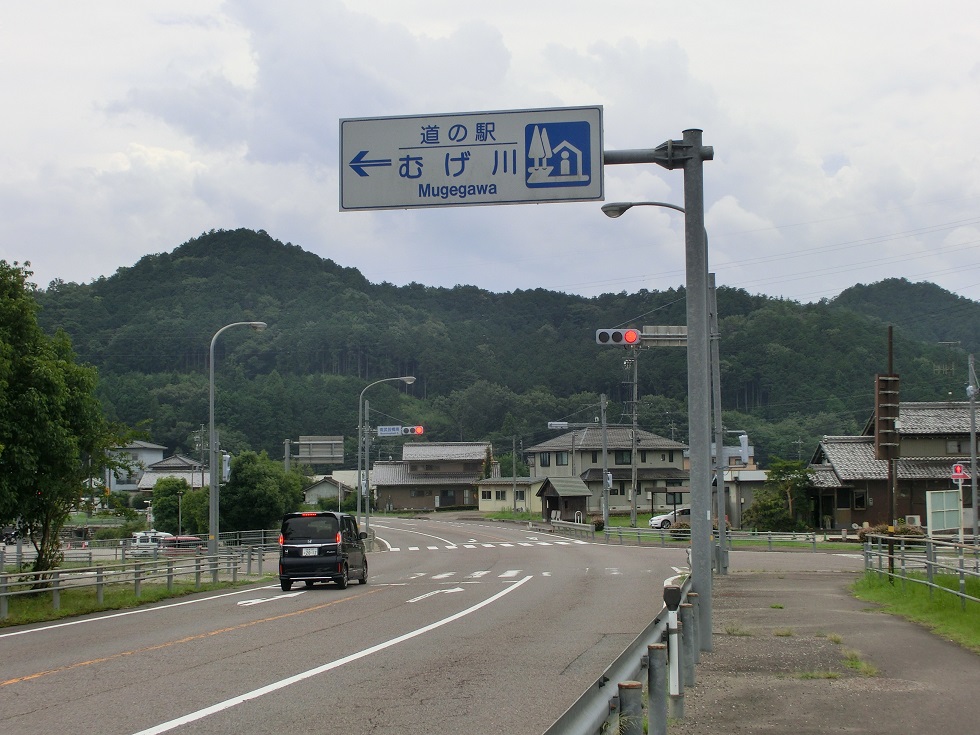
(844, 499)
(860, 500)
(545, 459)
(595, 457)
(484, 495)
(953, 446)
(520, 495)
(663, 457)
(670, 456)
(501, 495)
(643, 456)
(623, 456)
(561, 459)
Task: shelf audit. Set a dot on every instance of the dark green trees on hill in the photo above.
(488, 365)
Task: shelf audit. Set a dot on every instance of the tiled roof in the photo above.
(428, 451)
(616, 438)
(175, 462)
(191, 477)
(851, 458)
(594, 474)
(951, 417)
(566, 487)
(396, 473)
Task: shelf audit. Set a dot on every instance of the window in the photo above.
(520, 495)
(484, 495)
(545, 459)
(595, 457)
(501, 495)
(617, 489)
(623, 456)
(860, 500)
(954, 446)
(643, 456)
(561, 459)
(844, 499)
(670, 456)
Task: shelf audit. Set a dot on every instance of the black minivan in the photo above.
(321, 546)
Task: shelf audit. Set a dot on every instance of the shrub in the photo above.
(881, 529)
(597, 523)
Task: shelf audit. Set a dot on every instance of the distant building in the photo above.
(189, 470)
(662, 477)
(141, 454)
(851, 486)
(498, 493)
(432, 475)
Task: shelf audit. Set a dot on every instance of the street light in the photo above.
(213, 442)
(407, 380)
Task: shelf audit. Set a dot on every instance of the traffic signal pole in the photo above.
(690, 155)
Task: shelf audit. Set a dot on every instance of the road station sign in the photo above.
(389, 430)
(471, 158)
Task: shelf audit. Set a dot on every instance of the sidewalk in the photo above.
(772, 628)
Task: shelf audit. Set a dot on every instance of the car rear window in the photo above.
(322, 527)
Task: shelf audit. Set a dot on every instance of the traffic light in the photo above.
(617, 337)
(412, 431)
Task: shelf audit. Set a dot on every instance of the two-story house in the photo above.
(432, 475)
(662, 478)
(140, 455)
(851, 486)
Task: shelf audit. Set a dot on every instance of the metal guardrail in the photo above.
(605, 709)
(135, 573)
(921, 560)
(666, 536)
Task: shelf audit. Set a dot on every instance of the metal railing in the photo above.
(925, 561)
(135, 573)
(615, 702)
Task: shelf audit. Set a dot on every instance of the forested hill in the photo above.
(488, 365)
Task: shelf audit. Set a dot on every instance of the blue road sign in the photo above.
(504, 157)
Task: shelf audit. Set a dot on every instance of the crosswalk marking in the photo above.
(510, 573)
(485, 545)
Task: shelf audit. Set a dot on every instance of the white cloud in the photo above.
(844, 151)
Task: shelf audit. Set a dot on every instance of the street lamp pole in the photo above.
(690, 155)
(361, 436)
(971, 392)
(213, 441)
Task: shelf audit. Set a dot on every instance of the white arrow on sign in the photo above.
(435, 592)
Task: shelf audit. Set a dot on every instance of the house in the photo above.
(194, 473)
(565, 499)
(660, 468)
(432, 475)
(851, 486)
(498, 493)
(141, 455)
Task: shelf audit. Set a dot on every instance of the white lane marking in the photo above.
(524, 543)
(138, 611)
(419, 533)
(488, 546)
(443, 575)
(260, 600)
(452, 547)
(510, 573)
(434, 592)
(378, 538)
(507, 546)
(477, 575)
(545, 574)
(413, 548)
(468, 546)
(432, 548)
(283, 683)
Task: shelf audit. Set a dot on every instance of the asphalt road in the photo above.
(463, 627)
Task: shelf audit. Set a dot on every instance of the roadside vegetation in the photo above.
(942, 613)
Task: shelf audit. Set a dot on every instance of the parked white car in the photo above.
(680, 515)
(147, 543)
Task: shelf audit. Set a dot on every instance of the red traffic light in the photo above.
(617, 337)
(412, 430)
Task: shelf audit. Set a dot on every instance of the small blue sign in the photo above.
(558, 154)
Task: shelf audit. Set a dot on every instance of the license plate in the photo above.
(310, 551)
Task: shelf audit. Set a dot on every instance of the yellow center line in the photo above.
(188, 639)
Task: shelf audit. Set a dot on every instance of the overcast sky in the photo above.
(846, 135)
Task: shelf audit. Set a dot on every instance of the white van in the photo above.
(147, 543)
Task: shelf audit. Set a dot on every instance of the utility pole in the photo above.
(633, 442)
(971, 392)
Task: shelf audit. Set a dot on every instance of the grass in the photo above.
(942, 614)
(818, 675)
(735, 629)
(783, 632)
(776, 606)
(37, 608)
(853, 660)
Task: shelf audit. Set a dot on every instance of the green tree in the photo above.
(778, 505)
(53, 433)
(258, 493)
(168, 504)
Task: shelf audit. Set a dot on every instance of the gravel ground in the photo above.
(779, 664)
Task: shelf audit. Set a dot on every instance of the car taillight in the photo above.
(282, 539)
(338, 537)
(307, 515)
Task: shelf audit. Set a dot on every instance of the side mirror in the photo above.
(362, 534)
